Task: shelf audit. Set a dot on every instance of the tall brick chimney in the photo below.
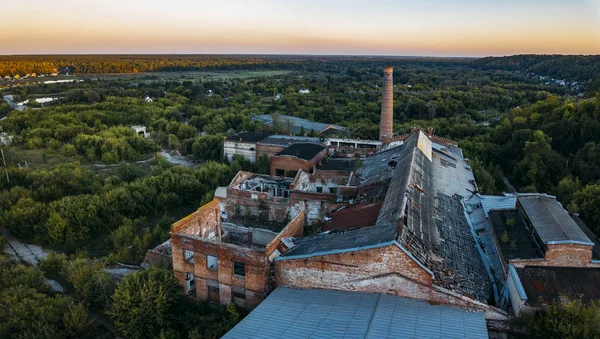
(387, 105)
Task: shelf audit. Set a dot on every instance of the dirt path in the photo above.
(17, 250)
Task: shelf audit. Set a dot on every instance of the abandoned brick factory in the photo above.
(386, 238)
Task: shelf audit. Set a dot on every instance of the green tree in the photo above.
(208, 147)
(563, 319)
(145, 303)
(541, 165)
(587, 201)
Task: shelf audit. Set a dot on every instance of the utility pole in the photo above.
(5, 169)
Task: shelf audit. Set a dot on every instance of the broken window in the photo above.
(189, 256)
(319, 189)
(238, 292)
(213, 294)
(333, 190)
(239, 268)
(212, 263)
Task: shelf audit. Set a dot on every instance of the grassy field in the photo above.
(149, 76)
(35, 158)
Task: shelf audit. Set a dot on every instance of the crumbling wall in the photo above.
(253, 284)
(205, 222)
(239, 201)
(385, 269)
(334, 270)
(293, 229)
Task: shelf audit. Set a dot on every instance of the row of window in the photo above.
(212, 263)
(237, 292)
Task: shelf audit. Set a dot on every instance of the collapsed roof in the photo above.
(429, 224)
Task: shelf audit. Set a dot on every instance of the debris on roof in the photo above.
(544, 285)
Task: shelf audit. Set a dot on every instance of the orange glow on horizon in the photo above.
(433, 33)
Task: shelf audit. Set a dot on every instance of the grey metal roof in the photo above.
(248, 137)
(341, 241)
(306, 151)
(295, 123)
(551, 221)
(286, 140)
(379, 166)
(492, 202)
(411, 191)
(294, 313)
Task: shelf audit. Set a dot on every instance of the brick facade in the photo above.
(561, 255)
(387, 269)
(211, 268)
(288, 163)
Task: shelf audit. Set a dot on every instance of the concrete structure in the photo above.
(141, 131)
(312, 313)
(243, 144)
(386, 128)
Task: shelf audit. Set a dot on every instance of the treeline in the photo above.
(582, 68)
(103, 64)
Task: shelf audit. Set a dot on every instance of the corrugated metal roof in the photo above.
(492, 202)
(286, 140)
(551, 221)
(296, 124)
(294, 313)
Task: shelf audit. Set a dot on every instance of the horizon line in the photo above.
(294, 54)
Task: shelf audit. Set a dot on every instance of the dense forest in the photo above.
(83, 184)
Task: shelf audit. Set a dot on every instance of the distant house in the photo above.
(148, 99)
(5, 139)
(141, 131)
(303, 91)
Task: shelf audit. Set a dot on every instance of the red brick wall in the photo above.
(257, 270)
(278, 207)
(379, 270)
(293, 229)
(563, 255)
(334, 270)
(206, 220)
(289, 163)
(269, 150)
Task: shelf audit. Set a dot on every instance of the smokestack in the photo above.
(387, 105)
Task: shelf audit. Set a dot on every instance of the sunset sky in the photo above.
(375, 27)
